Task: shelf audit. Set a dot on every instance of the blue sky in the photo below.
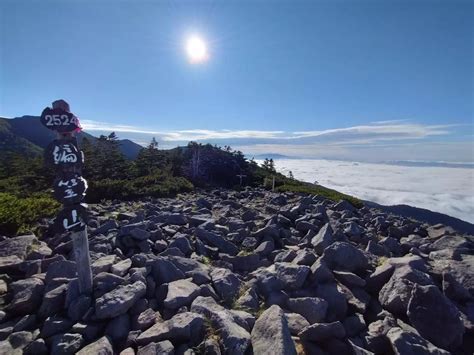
(364, 80)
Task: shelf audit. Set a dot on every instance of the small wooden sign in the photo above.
(59, 120)
(70, 188)
(72, 218)
(63, 154)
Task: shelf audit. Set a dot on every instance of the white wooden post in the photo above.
(80, 246)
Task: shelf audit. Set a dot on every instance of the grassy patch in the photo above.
(211, 331)
(302, 187)
(19, 215)
(382, 260)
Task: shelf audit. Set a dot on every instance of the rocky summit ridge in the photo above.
(227, 272)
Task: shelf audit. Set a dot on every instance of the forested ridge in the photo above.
(25, 183)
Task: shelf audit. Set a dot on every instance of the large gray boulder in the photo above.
(312, 308)
(216, 240)
(226, 283)
(321, 331)
(53, 301)
(292, 276)
(345, 256)
(20, 246)
(164, 271)
(235, 339)
(119, 300)
(271, 335)
(323, 239)
(396, 293)
(27, 295)
(406, 342)
(337, 302)
(164, 347)
(101, 346)
(180, 293)
(461, 270)
(182, 328)
(435, 317)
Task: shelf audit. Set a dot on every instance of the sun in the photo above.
(196, 49)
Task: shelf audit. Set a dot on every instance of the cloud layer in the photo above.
(446, 190)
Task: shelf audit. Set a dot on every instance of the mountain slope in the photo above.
(26, 135)
(11, 143)
(424, 215)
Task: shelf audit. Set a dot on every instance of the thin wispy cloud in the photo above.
(371, 142)
(368, 132)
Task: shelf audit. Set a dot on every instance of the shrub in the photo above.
(19, 215)
(156, 185)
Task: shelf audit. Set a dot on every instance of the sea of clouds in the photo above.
(440, 189)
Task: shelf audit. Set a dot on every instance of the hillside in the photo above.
(226, 272)
(26, 131)
(11, 143)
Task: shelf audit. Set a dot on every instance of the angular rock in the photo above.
(53, 302)
(106, 282)
(19, 340)
(118, 327)
(313, 309)
(119, 300)
(177, 219)
(145, 319)
(61, 269)
(248, 262)
(161, 348)
(27, 295)
(292, 276)
(180, 293)
(395, 294)
(20, 246)
(121, 268)
(296, 322)
(435, 317)
(235, 338)
(349, 279)
(323, 239)
(337, 303)
(321, 331)
(271, 332)
(217, 241)
(55, 325)
(406, 342)
(345, 256)
(226, 283)
(354, 325)
(103, 264)
(182, 328)
(248, 300)
(265, 248)
(103, 346)
(181, 241)
(164, 271)
(140, 234)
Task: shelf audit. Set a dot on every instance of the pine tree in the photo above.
(150, 159)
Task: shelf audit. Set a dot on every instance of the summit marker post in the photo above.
(70, 187)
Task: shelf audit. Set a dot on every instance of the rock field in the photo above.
(250, 272)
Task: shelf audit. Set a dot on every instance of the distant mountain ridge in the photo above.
(425, 215)
(26, 135)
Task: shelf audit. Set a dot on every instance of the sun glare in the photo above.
(196, 49)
